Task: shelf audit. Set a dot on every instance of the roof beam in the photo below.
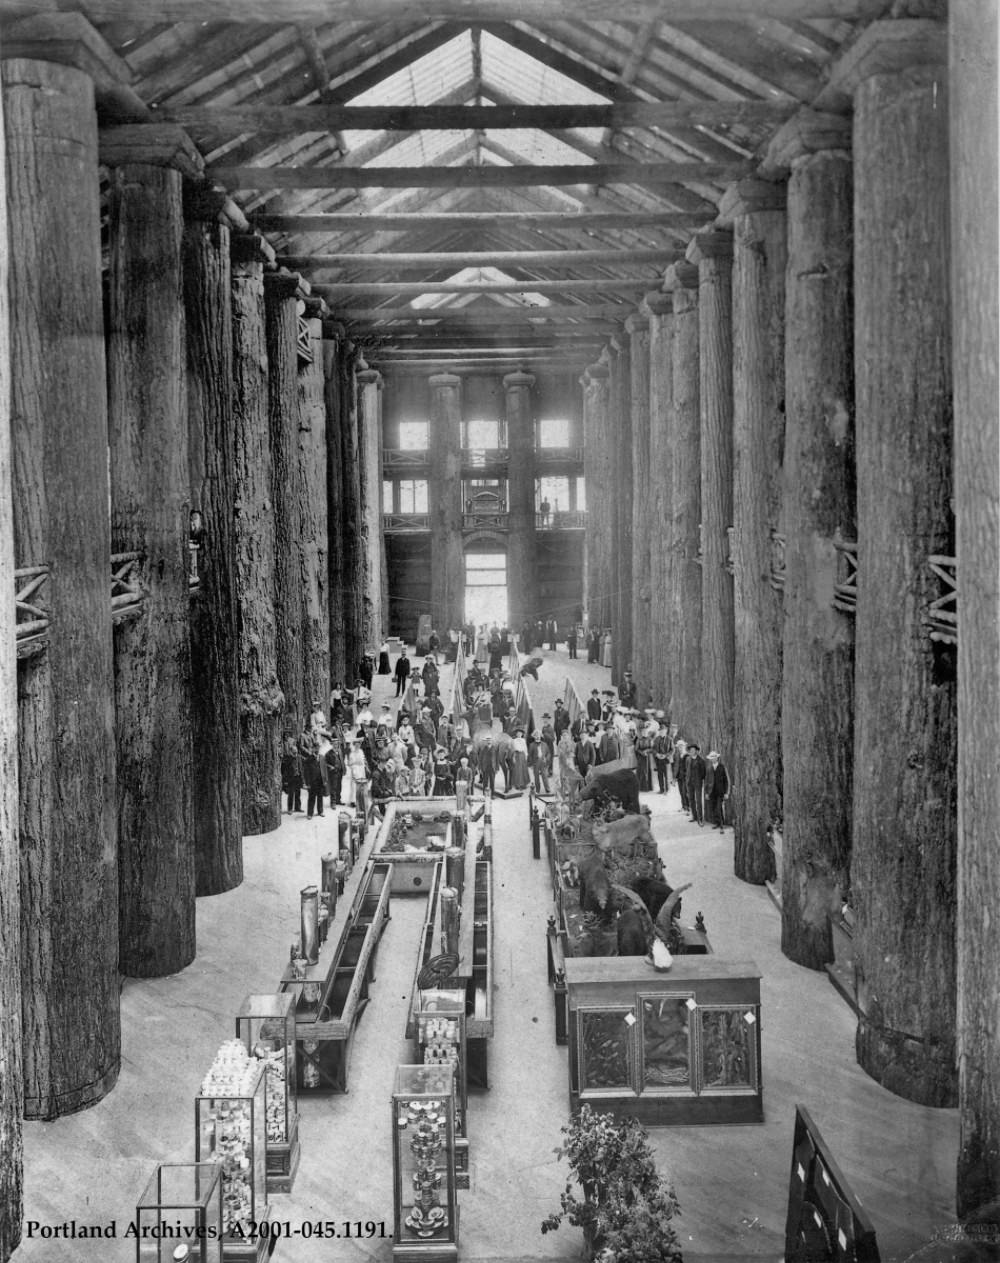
(476, 220)
(480, 258)
(492, 314)
(615, 284)
(279, 119)
(648, 174)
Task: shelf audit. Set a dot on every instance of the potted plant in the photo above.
(626, 1211)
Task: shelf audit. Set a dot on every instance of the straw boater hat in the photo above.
(713, 754)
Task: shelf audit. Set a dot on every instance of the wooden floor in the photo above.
(731, 1181)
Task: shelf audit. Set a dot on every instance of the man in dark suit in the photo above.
(717, 790)
(402, 673)
(560, 720)
(584, 755)
(594, 706)
(663, 749)
(487, 764)
(609, 747)
(696, 770)
(627, 690)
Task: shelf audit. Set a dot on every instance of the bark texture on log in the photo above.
(521, 556)
(903, 864)
(261, 699)
(66, 746)
(596, 455)
(314, 544)
(447, 559)
(662, 629)
(12, 1078)
(973, 62)
(716, 386)
(281, 291)
(352, 591)
(817, 702)
(215, 708)
(621, 481)
(687, 694)
(370, 423)
(150, 514)
(333, 350)
(759, 255)
(642, 508)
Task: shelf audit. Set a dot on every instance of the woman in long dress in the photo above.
(383, 659)
(519, 761)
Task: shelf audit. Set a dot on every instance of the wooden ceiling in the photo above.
(469, 179)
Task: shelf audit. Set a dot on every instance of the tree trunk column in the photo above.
(370, 429)
(817, 698)
(65, 730)
(684, 609)
(659, 513)
(756, 209)
(150, 517)
(621, 481)
(261, 699)
(314, 537)
(521, 558)
(352, 598)
(283, 293)
(713, 253)
(447, 577)
(637, 327)
(972, 57)
(215, 713)
(596, 425)
(903, 864)
(333, 353)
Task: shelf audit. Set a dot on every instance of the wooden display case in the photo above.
(181, 1197)
(425, 1202)
(676, 1047)
(428, 834)
(265, 1025)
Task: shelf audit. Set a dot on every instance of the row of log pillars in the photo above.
(805, 404)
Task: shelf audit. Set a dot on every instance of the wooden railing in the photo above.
(126, 592)
(558, 455)
(396, 522)
(484, 457)
(31, 616)
(561, 520)
(403, 458)
(483, 519)
(942, 617)
(845, 592)
(303, 342)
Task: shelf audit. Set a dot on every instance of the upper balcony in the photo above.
(406, 523)
(477, 461)
(561, 520)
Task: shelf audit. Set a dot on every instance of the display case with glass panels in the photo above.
(440, 1038)
(423, 1137)
(179, 1217)
(231, 1130)
(265, 1025)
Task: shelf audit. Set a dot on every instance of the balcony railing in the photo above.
(394, 523)
(403, 458)
(484, 458)
(561, 520)
(558, 456)
(485, 520)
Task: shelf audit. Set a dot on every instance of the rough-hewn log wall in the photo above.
(215, 709)
(314, 537)
(521, 553)
(66, 746)
(642, 507)
(261, 699)
(662, 632)
(903, 864)
(759, 254)
(817, 704)
(974, 209)
(333, 351)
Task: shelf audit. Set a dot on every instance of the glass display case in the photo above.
(423, 1162)
(179, 1217)
(265, 1026)
(440, 1036)
(231, 1130)
(676, 1047)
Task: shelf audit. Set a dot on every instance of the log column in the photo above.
(687, 695)
(352, 601)
(621, 509)
(215, 712)
(447, 560)
(712, 252)
(521, 557)
(756, 209)
(283, 292)
(597, 474)
(261, 699)
(903, 863)
(817, 698)
(659, 463)
(637, 327)
(65, 727)
(333, 353)
(314, 537)
(150, 517)
(369, 445)
(12, 1081)
(973, 65)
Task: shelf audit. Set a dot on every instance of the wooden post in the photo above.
(12, 1080)
(817, 699)
(333, 351)
(369, 446)
(687, 692)
(282, 294)
(596, 456)
(521, 559)
(756, 209)
(215, 709)
(662, 629)
(973, 79)
(65, 730)
(447, 577)
(621, 479)
(903, 862)
(261, 699)
(637, 327)
(150, 515)
(314, 537)
(712, 251)
(351, 598)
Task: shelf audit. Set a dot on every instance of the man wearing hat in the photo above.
(560, 721)
(627, 690)
(549, 737)
(594, 705)
(663, 749)
(717, 790)
(696, 770)
(385, 718)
